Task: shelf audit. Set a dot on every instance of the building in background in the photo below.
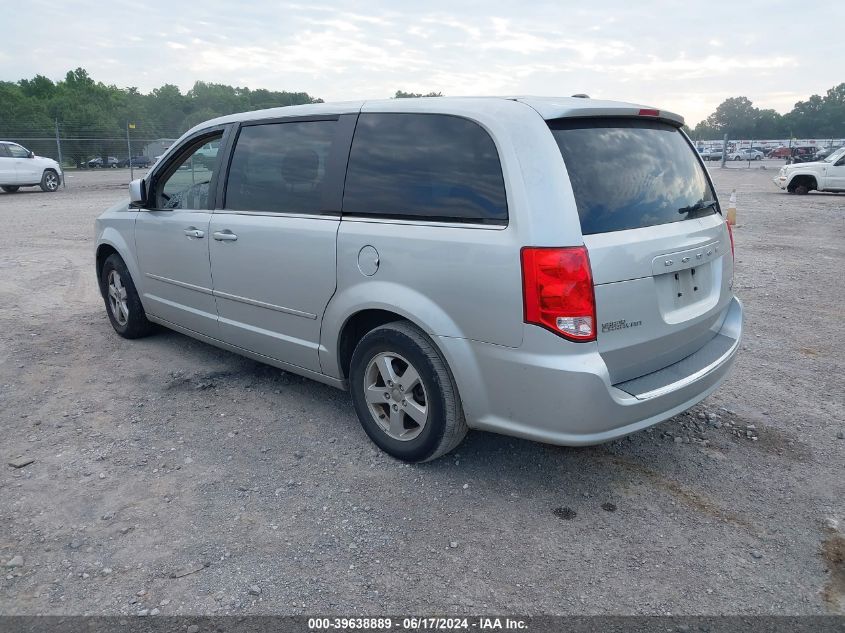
(158, 147)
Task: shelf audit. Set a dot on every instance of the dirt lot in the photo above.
(172, 477)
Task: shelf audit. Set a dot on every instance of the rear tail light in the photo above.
(731, 234)
(557, 291)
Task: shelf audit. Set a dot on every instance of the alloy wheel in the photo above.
(395, 396)
(117, 298)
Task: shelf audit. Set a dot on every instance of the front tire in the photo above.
(49, 181)
(123, 305)
(404, 394)
(10, 188)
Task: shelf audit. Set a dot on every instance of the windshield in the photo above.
(631, 173)
(835, 156)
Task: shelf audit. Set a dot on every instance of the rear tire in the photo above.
(123, 305)
(10, 188)
(50, 181)
(415, 421)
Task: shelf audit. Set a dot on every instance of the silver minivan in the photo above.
(553, 269)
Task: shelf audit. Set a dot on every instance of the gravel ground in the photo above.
(172, 477)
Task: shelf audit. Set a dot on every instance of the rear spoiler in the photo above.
(570, 108)
(652, 114)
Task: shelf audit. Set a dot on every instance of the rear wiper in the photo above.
(698, 206)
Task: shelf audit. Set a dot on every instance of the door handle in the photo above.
(225, 236)
(193, 231)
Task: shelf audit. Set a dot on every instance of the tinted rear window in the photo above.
(628, 174)
(424, 166)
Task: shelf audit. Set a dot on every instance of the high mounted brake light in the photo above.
(649, 112)
(557, 291)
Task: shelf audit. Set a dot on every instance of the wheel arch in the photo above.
(356, 327)
(112, 243)
(354, 318)
(809, 180)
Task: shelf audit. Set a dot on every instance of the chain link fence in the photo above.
(85, 147)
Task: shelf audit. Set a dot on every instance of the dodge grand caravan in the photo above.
(552, 269)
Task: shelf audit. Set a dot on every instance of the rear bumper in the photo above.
(568, 399)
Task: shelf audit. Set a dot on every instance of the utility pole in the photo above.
(724, 149)
(129, 150)
(59, 149)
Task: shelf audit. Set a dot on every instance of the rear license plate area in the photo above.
(687, 286)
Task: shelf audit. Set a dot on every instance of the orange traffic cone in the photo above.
(732, 209)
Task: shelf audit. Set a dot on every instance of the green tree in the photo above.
(39, 87)
(817, 117)
(410, 95)
(89, 112)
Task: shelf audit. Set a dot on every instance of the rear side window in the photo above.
(631, 173)
(280, 167)
(424, 166)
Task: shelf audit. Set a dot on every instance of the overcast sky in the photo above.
(682, 56)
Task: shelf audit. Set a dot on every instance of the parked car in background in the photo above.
(779, 152)
(19, 167)
(95, 163)
(802, 155)
(136, 161)
(714, 153)
(824, 175)
(745, 154)
(205, 155)
(510, 265)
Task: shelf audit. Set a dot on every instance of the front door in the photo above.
(273, 242)
(26, 170)
(835, 175)
(171, 239)
(7, 166)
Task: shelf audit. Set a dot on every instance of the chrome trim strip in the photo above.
(262, 304)
(329, 215)
(437, 223)
(181, 284)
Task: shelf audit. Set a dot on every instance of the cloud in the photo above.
(684, 68)
(337, 49)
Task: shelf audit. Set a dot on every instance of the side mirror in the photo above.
(31, 154)
(138, 192)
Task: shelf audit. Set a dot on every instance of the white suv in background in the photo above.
(20, 167)
(822, 175)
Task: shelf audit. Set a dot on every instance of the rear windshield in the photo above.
(631, 173)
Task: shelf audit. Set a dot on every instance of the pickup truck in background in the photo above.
(824, 175)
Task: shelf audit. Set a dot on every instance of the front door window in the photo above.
(18, 152)
(186, 183)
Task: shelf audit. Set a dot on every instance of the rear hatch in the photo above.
(659, 249)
